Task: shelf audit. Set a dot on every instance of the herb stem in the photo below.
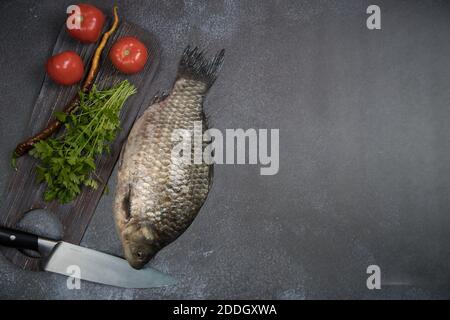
(68, 161)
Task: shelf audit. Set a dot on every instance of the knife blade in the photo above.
(94, 266)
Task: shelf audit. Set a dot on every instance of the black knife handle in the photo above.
(18, 239)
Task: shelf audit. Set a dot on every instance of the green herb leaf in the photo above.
(61, 116)
(67, 162)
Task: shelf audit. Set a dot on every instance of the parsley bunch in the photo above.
(67, 162)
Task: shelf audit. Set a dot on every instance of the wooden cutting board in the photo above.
(22, 192)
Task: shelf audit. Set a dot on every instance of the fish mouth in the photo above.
(137, 264)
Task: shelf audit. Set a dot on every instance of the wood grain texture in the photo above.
(23, 193)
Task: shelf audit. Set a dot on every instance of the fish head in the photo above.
(139, 243)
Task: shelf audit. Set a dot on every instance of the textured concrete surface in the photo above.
(364, 147)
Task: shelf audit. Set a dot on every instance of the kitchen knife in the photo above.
(94, 266)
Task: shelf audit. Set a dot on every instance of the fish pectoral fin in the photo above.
(126, 204)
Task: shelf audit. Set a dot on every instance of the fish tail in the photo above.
(194, 65)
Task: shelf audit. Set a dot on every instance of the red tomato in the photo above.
(65, 68)
(91, 25)
(129, 55)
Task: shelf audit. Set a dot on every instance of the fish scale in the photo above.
(158, 195)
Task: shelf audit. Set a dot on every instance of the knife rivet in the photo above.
(12, 238)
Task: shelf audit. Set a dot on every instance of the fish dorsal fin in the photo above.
(122, 152)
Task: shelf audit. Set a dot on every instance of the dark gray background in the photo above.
(364, 147)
